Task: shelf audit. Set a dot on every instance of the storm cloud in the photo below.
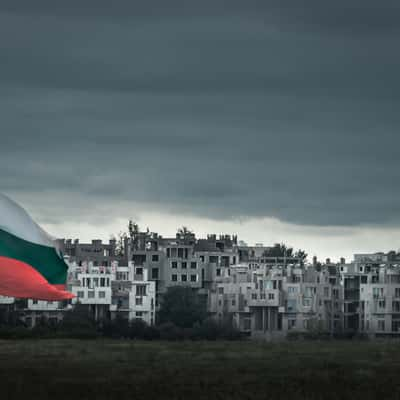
(222, 110)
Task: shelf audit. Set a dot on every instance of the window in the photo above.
(234, 302)
(174, 264)
(220, 290)
(35, 302)
(377, 292)
(184, 278)
(218, 271)
(91, 294)
(271, 296)
(193, 278)
(306, 302)
(326, 292)
(254, 296)
(193, 265)
(139, 313)
(381, 325)
(395, 325)
(154, 258)
(139, 271)
(102, 295)
(154, 273)
(381, 304)
(309, 291)
(80, 294)
(141, 290)
(139, 301)
(292, 289)
(397, 292)
(184, 264)
(180, 252)
(291, 305)
(174, 278)
(102, 282)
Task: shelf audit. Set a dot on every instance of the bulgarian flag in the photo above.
(30, 265)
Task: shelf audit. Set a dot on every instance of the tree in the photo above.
(302, 255)
(120, 245)
(133, 229)
(78, 323)
(182, 306)
(184, 231)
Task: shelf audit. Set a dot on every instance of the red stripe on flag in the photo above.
(18, 279)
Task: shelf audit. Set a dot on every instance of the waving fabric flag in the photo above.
(30, 265)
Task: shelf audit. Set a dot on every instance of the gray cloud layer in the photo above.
(222, 109)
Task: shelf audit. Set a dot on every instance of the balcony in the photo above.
(269, 298)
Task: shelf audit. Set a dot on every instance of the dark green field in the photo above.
(68, 369)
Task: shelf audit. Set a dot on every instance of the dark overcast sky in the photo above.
(223, 109)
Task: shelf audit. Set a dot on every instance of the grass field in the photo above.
(72, 369)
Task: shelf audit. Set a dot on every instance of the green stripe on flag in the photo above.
(43, 258)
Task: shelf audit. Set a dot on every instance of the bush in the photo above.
(207, 330)
(151, 333)
(77, 324)
(169, 331)
(137, 329)
(182, 306)
(229, 332)
(117, 329)
(15, 332)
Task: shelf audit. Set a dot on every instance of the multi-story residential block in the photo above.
(92, 287)
(263, 296)
(380, 301)
(133, 294)
(270, 301)
(96, 252)
(114, 290)
(50, 311)
(183, 260)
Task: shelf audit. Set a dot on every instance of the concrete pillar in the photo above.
(262, 319)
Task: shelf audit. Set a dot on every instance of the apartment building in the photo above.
(96, 252)
(264, 296)
(105, 291)
(271, 300)
(182, 260)
(379, 309)
(114, 290)
(133, 294)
